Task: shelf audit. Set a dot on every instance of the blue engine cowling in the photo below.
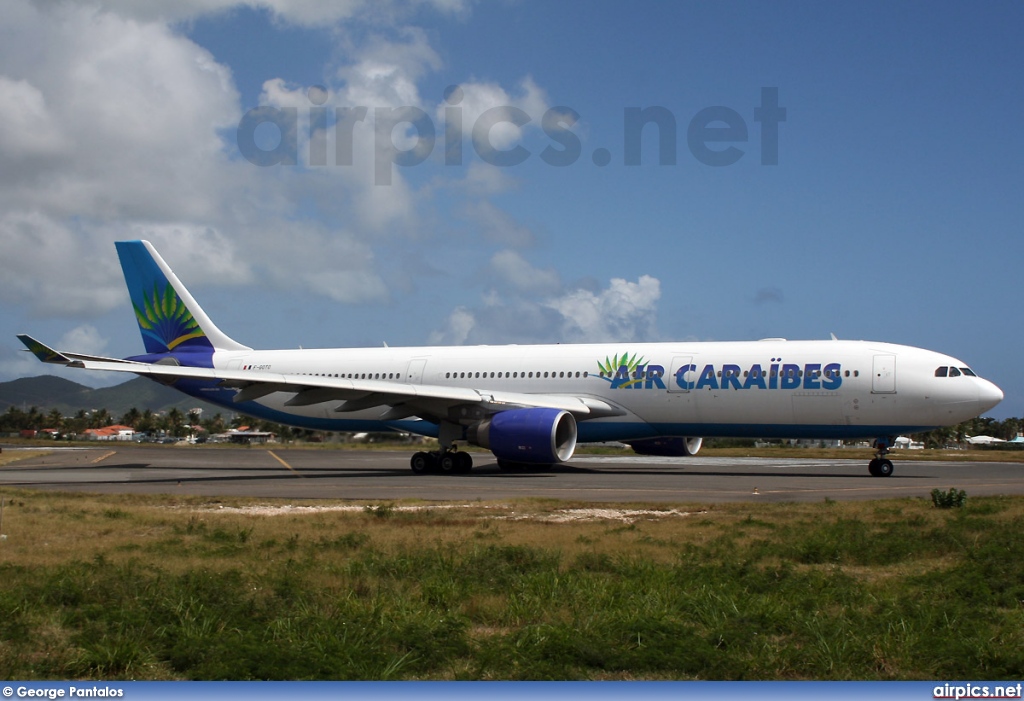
(543, 436)
(671, 446)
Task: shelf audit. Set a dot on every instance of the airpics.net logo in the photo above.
(269, 136)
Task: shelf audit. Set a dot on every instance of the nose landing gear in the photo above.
(881, 466)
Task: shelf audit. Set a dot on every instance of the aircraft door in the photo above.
(883, 375)
(683, 374)
(414, 373)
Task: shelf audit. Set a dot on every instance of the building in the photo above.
(110, 433)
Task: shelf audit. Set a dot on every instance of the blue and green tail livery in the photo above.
(166, 321)
(169, 318)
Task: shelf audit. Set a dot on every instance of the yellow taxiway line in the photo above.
(276, 457)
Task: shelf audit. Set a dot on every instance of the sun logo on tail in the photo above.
(166, 319)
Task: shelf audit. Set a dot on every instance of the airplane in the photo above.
(531, 404)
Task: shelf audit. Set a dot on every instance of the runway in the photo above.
(385, 475)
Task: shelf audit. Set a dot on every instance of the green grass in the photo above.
(123, 587)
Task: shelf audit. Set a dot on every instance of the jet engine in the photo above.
(671, 446)
(539, 436)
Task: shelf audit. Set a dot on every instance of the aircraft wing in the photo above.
(397, 400)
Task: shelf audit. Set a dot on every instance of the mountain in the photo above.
(48, 392)
(44, 391)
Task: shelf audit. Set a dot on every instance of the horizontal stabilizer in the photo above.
(42, 351)
(49, 355)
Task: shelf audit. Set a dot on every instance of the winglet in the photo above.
(42, 351)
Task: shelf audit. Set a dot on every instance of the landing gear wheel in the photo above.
(884, 468)
(880, 467)
(463, 463)
(448, 463)
(421, 463)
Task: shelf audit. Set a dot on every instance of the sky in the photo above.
(456, 172)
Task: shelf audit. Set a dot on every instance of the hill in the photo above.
(48, 392)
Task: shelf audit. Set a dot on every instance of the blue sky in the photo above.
(892, 214)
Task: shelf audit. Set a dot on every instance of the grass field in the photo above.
(120, 587)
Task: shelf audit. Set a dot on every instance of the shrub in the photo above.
(953, 499)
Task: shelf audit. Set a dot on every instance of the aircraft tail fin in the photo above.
(169, 318)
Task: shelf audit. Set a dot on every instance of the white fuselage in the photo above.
(770, 388)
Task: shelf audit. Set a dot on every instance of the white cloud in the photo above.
(332, 264)
(112, 128)
(524, 277)
(116, 133)
(54, 269)
(29, 128)
(203, 253)
(306, 13)
(117, 125)
(83, 339)
(495, 225)
(478, 98)
(624, 311)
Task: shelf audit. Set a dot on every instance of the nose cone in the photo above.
(988, 395)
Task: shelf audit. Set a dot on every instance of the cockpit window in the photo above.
(953, 372)
(941, 372)
(968, 372)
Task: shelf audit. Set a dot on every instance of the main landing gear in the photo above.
(444, 461)
(881, 466)
(448, 460)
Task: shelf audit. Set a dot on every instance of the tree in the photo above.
(132, 418)
(216, 424)
(55, 419)
(147, 422)
(176, 421)
(100, 418)
(78, 424)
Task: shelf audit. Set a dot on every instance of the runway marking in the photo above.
(103, 457)
(276, 457)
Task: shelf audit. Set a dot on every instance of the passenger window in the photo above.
(968, 372)
(953, 372)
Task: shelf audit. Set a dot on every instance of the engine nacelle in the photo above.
(543, 436)
(671, 446)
